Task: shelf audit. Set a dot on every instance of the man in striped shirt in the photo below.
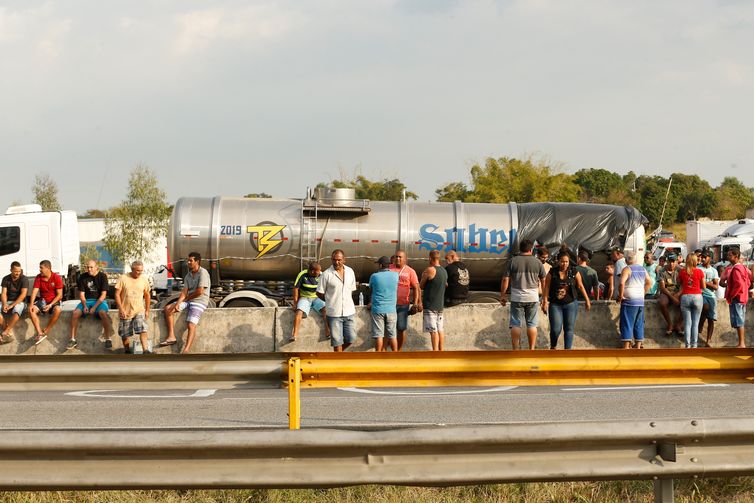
(305, 297)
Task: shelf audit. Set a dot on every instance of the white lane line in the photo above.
(429, 393)
(656, 386)
(97, 393)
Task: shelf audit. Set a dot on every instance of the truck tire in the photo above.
(243, 303)
(484, 298)
(171, 300)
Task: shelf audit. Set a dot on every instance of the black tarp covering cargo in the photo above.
(593, 227)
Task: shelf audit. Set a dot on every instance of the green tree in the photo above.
(383, 190)
(651, 191)
(454, 191)
(132, 227)
(508, 179)
(45, 192)
(693, 196)
(732, 199)
(598, 185)
(93, 213)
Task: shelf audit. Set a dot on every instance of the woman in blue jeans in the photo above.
(691, 280)
(559, 300)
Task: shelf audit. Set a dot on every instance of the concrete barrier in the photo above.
(467, 327)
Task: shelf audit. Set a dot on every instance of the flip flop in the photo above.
(6, 338)
(39, 338)
(165, 344)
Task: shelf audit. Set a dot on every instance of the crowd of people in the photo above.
(132, 298)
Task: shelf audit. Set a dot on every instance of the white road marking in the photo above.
(429, 393)
(656, 386)
(97, 393)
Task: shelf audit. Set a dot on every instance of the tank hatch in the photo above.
(335, 200)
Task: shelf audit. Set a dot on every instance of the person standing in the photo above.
(408, 293)
(589, 276)
(382, 305)
(634, 284)
(525, 275)
(560, 300)
(619, 261)
(709, 295)
(336, 287)
(691, 280)
(92, 287)
(737, 281)
(458, 280)
(133, 300)
(651, 267)
(305, 298)
(49, 286)
(433, 283)
(194, 297)
(15, 286)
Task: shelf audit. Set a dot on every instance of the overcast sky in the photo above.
(230, 97)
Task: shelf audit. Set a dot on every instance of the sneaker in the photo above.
(108, 344)
(72, 343)
(146, 352)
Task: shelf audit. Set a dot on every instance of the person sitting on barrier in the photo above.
(525, 275)
(15, 286)
(92, 287)
(619, 263)
(668, 279)
(588, 276)
(194, 297)
(305, 298)
(651, 267)
(49, 287)
(336, 286)
(383, 285)
(560, 300)
(634, 284)
(133, 300)
(691, 280)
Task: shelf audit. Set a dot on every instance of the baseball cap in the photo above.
(383, 260)
(672, 257)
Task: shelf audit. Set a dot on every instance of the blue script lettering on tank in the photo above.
(473, 239)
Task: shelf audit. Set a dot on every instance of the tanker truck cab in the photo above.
(29, 235)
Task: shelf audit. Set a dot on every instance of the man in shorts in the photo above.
(336, 287)
(408, 293)
(384, 287)
(667, 278)
(305, 298)
(46, 295)
(133, 298)
(92, 287)
(15, 286)
(709, 295)
(194, 297)
(526, 277)
(433, 283)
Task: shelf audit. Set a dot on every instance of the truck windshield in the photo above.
(10, 240)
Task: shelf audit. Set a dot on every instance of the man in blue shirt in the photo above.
(384, 287)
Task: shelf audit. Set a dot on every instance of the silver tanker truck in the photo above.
(248, 245)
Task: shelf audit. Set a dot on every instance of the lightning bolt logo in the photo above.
(265, 241)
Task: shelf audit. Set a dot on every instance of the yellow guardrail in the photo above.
(520, 368)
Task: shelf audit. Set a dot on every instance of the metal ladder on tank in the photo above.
(308, 234)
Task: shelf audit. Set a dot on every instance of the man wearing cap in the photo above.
(668, 279)
(709, 295)
(384, 287)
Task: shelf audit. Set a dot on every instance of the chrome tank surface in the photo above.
(271, 239)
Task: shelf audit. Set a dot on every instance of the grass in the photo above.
(733, 490)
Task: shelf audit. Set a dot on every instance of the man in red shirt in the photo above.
(737, 281)
(49, 287)
(408, 292)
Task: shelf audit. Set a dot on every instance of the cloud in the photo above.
(198, 30)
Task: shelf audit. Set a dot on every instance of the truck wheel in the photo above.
(243, 303)
(484, 298)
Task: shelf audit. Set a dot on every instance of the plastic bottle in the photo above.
(361, 298)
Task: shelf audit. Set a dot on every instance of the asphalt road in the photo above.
(367, 408)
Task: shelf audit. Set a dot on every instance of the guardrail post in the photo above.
(294, 394)
(664, 491)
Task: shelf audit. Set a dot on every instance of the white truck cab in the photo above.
(29, 235)
(665, 248)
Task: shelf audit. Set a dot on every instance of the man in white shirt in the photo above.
(336, 285)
